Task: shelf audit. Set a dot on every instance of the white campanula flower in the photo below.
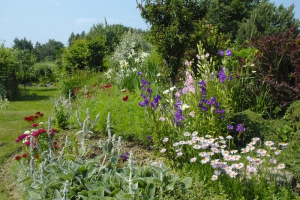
(178, 150)
(202, 154)
(195, 133)
(281, 166)
(277, 152)
(233, 151)
(186, 134)
(193, 159)
(175, 144)
(229, 137)
(182, 142)
(236, 157)
(165, 140)
(282, 144)
(172, 88)
(205, 160)
(269, 143)
(244, 150)
(261, 151)
(179, 154)
(163, 150)
(197, 146)
(250, 148)
(166, 91)
(232, 174)
(251, 169)
(184, 106)
(214, 177)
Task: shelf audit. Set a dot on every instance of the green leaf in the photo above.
(34, 194)
(113, 193)
(150, 189)
(25, 179)
(57, 195)
(187, 181)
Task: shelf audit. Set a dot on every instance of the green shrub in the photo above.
(128, 120)
(43, 73)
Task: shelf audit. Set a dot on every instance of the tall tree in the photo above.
(228, 14)
(23, 44)
(113, 34)
(267, 19)
(173, 27)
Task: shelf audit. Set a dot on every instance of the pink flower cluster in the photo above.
(189, 84)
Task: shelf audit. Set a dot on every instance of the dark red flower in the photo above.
(55, 146)
(76, 90)
(94, 85)
(34, 125)
(27, 143)
(17, 157)
(36, 157)
(106, 86)
(125, 98)
(41, 131)
(24, 155)
(52, 131)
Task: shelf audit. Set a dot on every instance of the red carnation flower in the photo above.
(17, 157)
(125, 98)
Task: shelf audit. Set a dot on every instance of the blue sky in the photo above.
(41, 20)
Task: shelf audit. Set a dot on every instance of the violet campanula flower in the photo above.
(230, 127)
(222, 75)
(228, 52)
(240, 128)
(221, 53)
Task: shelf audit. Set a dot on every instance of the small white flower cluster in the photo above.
(228, 161)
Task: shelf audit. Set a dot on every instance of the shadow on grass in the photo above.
(37, 94)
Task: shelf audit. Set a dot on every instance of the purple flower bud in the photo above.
(221, 53)
(228, 52)
(140, 73)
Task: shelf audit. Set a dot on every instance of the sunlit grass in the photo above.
(12, 122)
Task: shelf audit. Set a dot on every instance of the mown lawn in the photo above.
(12, 124)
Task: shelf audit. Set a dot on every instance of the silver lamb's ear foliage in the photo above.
(78, 118)
(108, 126)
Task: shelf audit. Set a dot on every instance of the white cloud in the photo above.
(84, 20)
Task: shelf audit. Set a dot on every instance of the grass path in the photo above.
(12, 124)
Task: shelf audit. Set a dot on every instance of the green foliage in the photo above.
(227, 15)
(174, 26)
(267, 19)
(4, 102)
(70, 83)
(23, 44)
(59, 177)
(87, 53)
(49, 51)
(256, 126)
(8, 67)
(43, 73)
(26, 60)
(111, 32)
(106, 98)
(247, 91)
(61, 112)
